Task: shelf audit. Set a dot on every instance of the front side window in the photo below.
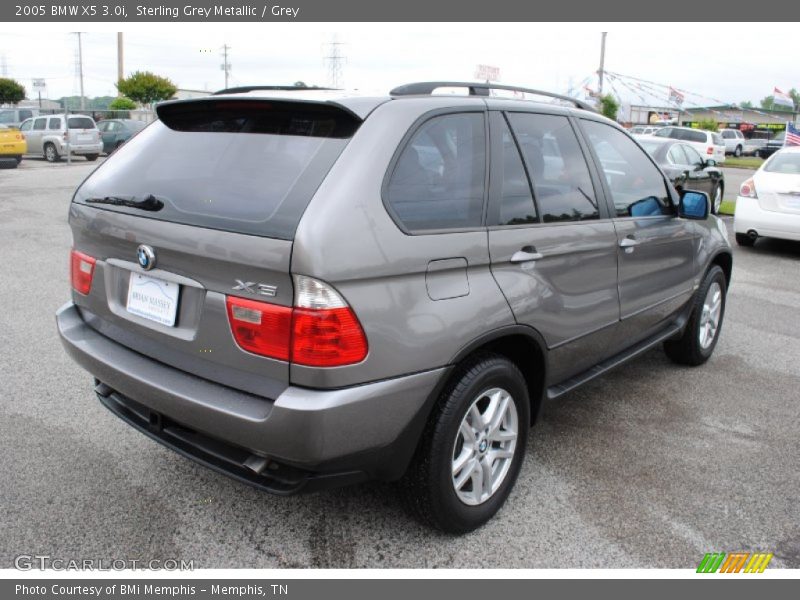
(692, 156)
(562, 185)
(26, 126)
(39, 124)
(636, 185)
(676, 155)
(439, 179)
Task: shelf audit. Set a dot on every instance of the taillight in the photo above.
(748, 189)
(321, 330)
(710, 150)
(81, 271)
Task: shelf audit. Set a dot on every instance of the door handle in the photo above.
(628, 244)
(526, 254)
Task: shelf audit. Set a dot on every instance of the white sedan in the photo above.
(768, 204)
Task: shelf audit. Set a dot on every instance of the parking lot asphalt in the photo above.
(652, 465)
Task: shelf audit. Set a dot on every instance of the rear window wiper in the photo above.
(149, 202)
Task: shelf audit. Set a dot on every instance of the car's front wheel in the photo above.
(472, 449)
(700, 336)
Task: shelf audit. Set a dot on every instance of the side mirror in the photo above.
(694, 205)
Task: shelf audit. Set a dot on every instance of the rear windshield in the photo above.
(80, 123)
(237, 165)
(784, 162)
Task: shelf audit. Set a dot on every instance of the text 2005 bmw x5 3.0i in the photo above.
(303, 289)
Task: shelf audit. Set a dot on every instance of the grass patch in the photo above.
(743, 162)
(727, 207)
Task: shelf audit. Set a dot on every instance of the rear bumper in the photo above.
(82, 149)
(309, 437)
(750, 216)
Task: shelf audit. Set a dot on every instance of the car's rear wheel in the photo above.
(745, 240)
(50, 153)
(699, 339)
(92, 157)
(472, 449)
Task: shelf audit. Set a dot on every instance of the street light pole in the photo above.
(601, 70)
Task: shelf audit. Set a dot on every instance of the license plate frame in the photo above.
(153, 299)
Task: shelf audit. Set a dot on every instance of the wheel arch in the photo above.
(724, 260)
(522, 345)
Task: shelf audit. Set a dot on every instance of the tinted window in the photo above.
(54, 123)
(692, 155)
(516, 199)
(665, 132)
(438, 181)
(248, 167)
(25, 114)
(562, 185)
(676, 155)
(637, 187)
(728, 135)
(39, 124)
(80, 123)
(693, 136)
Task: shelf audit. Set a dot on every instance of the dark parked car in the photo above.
(116, 132)
(313, 289)
(772, 146)
(687, 169)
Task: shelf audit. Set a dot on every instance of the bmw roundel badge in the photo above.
(146, 257)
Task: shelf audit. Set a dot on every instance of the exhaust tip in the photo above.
(752, 234)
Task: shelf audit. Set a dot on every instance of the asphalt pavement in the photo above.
(652, 465)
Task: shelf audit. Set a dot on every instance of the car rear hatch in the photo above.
(82, 131)
(208, 199)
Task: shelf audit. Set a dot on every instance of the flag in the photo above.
(792, 136)
(675, 96)
(782, 98)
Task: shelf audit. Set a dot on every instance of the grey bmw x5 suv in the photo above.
(303, 289)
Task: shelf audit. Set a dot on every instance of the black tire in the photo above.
(738, 152)
(687, 350)
(745, 240)
(51, 153)
(428, 484)
(92, 157)
(19, 159)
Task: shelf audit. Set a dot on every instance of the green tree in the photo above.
(708, 124)
(11, 92)
(746, 104)
(145, 87)
(609, 106)
(122, 103)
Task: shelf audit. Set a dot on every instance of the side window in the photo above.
(562, 185)
(54, 123)
(26, 126)
(516, 199)
(25, 114)
(692, 155)
(663, 132)
(39, 124)
(438, 181)
(637, 187)
(728, 135)
(676, 155)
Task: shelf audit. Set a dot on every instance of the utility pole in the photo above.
(226, 66)
(601, 70)
(120, 70)
(80, 68)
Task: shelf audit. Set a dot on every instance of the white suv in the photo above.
(734, 141)
(52, 136)
(710, 145)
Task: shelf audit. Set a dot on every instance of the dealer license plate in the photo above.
(153, 299)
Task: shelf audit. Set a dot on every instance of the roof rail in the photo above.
(275, 88)
(479, 89)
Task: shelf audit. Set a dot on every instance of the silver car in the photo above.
(53, 136)
(304, 289)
